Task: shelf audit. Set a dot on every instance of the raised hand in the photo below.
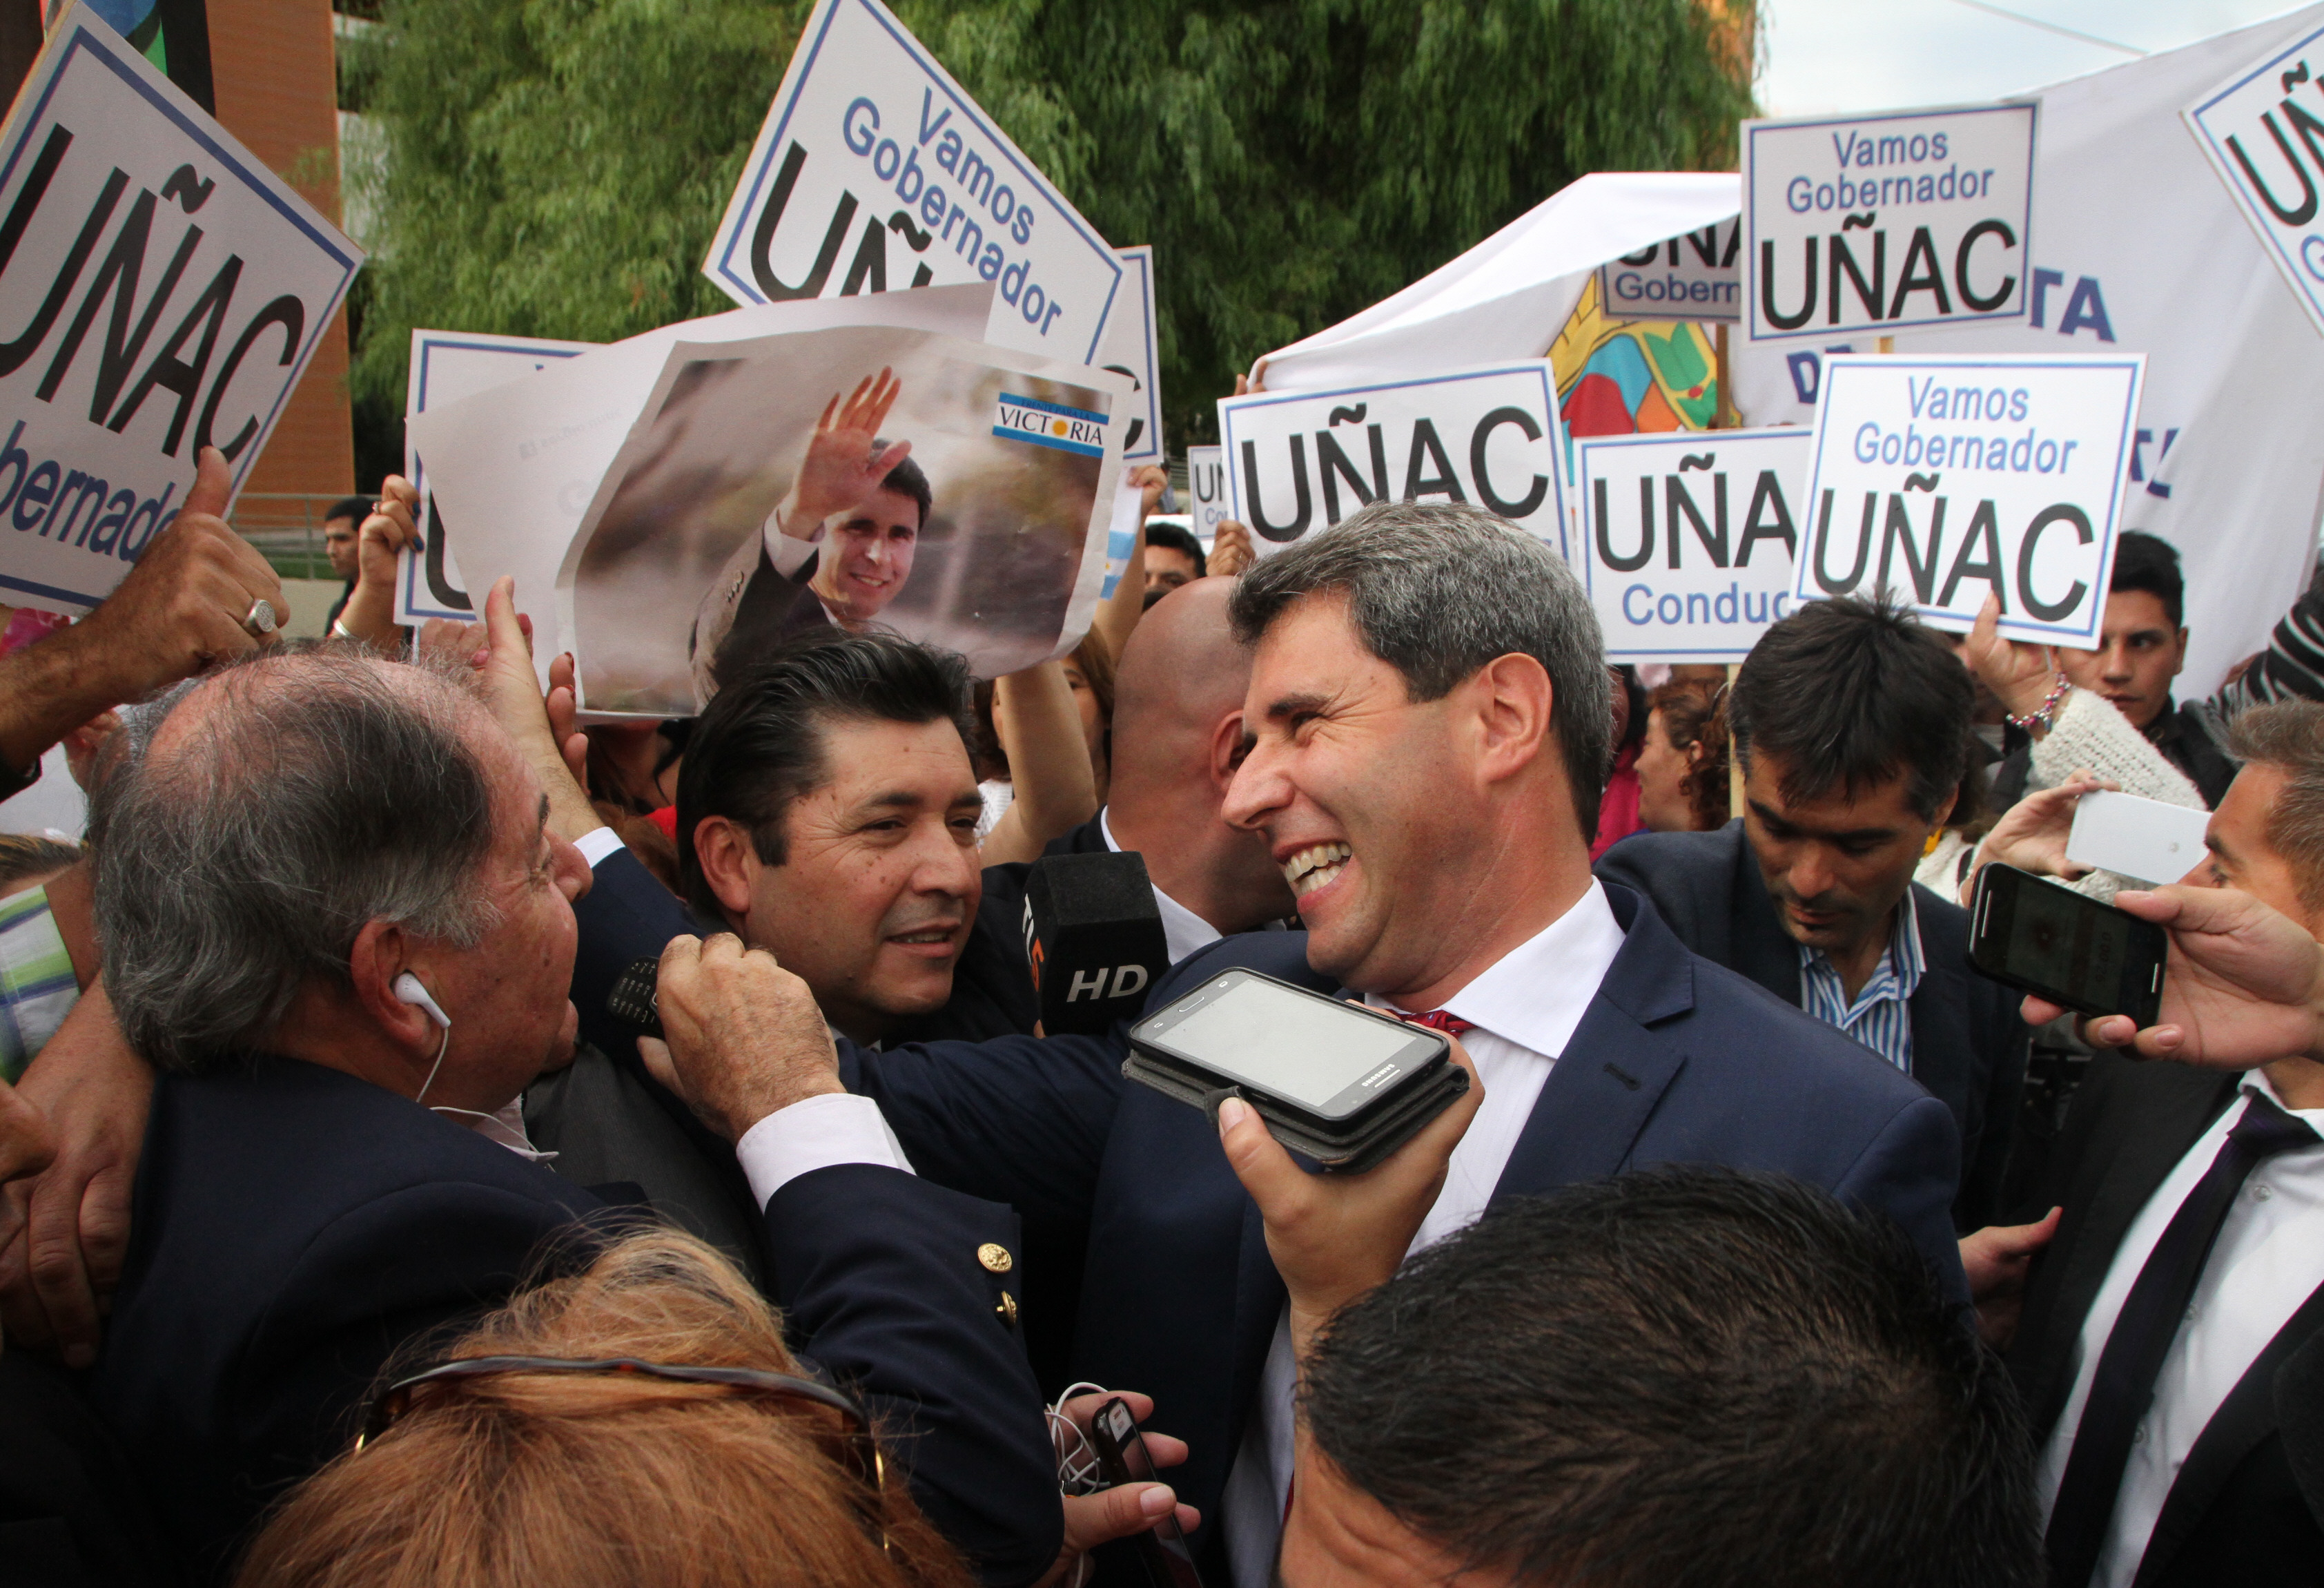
(842, 466)
(2031, 833)
(743, 1038)
(392, 526)
(2021, 675)
(1231, 553)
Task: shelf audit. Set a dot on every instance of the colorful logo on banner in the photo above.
(1623, 377)
(1049, 424)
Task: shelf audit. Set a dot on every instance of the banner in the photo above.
(2141, 250)
(1298, 462)
(736, 513)
(164, 291)
(517, 466)
(2253, 128)
(1694, 276)
(875, 170)
(1688, 539)
(1883, 222)
(446, 366)
(1206, 492)
(1133, 350)
(1943, 480)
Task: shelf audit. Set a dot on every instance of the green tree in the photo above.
(555, 167)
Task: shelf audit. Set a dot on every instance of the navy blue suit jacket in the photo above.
(1676, 1060)
(1968, 1046)
(294, 1227)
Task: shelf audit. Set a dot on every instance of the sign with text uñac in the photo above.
(1206, 492)
(1687, 537)
(2263, 131)
(1691, 276)
(1941, 480)
(161, 291)
(875, 170)
(1301, 461)
(1882, 223)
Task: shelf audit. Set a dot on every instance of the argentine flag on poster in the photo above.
(1121, 534)
(1049, 424)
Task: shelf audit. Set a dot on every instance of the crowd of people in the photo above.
(359, 1230)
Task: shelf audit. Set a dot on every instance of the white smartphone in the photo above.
(2138, 837)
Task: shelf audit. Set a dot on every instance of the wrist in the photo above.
(737, 1120)
(794, 521)
(2042, 714)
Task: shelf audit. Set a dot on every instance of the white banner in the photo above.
(1942, 480)
(1133, 349)
(874, 170)
(1877, 223)
(2255, 128)
(1692, 276)
(446, 366)
(1687, 539)
(164, 291)
(1298, 462)
(2228, 455)
(1206, 492)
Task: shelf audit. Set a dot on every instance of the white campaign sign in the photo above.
(1944, 479)
(1133, 348)
(1687, 539)
(164, 292)
(1692, 276)
(875, 170)
(2255, 128)
(446, 366)
(1301, 461)
(1880, 223)
(1206, 492)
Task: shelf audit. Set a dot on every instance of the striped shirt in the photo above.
(1881, 1018)
(36, 980)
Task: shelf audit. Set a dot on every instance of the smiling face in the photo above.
(1836, 865)
(867, 557)
(1359, 792)
(879, 881)
(2139, 652)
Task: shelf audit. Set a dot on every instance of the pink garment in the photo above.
(1618, 811)
(26, 626)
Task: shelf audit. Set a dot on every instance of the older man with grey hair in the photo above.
(334, 919)
(1426, 725)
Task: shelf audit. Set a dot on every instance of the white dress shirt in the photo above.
(1525, 1009)
(2268, 1259)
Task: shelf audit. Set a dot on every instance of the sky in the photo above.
(1850, 55)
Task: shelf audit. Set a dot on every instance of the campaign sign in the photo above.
(446, 366)
(1301, 461)
(1688, 538)
(161, 291)
(1691, 276)
(875, 170)
(1132, 348)
(1882, 223)
(2263, 131)
(1206, 492)
(1943, 480)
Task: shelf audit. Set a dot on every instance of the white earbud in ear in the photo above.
(408, 989)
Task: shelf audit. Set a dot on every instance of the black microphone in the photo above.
(1094, 936)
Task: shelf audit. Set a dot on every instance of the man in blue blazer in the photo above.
(361, 954)
(1428, 723)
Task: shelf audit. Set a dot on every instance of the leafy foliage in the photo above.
(556, 167)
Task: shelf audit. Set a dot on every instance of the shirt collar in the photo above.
(1535, 994)
(1901, 963)
(2256, 1081)
(1182, 931)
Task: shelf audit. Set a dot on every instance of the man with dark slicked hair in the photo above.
(1687, 1378)
(1851, 721)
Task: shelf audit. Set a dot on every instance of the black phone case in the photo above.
(631, 1001)
(2143, 1006)
(1353, 1153)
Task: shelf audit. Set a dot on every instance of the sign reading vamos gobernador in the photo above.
(161, 291)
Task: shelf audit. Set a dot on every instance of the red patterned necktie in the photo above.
(1436, 1019)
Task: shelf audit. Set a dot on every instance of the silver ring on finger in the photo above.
(261, 619)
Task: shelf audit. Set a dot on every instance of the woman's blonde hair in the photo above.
(607, 1480)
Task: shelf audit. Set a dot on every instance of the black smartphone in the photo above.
(631, 1001)
(1122, 1457)
(1336, 1081)
(2051, 941)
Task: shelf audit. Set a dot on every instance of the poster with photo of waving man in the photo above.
(952, 491)
(161, 291)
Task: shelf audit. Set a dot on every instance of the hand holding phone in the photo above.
(2046, 939)
(1123, 1458)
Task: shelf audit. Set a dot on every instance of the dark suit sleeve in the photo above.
(1909, 1172)
(879, 1277)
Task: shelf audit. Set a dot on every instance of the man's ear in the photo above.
(1512, 695)
(1224, 753)
(729, 859)
(383, 951)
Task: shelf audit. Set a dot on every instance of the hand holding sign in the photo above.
(2020, 675)
(844, 463)
(387, 532)
(185, 602)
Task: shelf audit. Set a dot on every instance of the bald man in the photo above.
(1177, 739)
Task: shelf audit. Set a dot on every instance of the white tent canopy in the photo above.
(1510, 295)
